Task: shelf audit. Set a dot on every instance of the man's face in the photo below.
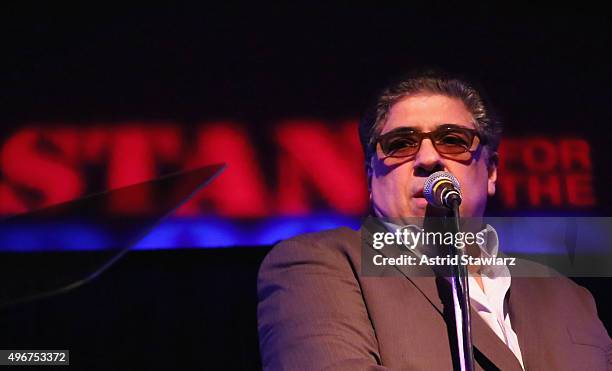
(397, 184)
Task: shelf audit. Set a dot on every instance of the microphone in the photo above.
(442, 190)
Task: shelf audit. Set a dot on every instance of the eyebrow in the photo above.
(412, 128)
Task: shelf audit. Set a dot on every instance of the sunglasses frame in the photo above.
(431, 136)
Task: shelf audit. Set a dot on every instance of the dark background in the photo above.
(187, 63)
(196, 309)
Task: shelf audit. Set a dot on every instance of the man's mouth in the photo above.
(419, 199)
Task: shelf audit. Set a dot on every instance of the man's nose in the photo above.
(427, 159)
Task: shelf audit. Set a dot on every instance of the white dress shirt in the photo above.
(489, 304)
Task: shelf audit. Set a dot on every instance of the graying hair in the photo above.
(431, 82)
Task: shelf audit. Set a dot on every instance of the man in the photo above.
(318, 310)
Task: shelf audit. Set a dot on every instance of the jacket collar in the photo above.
(437, 292)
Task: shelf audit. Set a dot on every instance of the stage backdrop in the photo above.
(100, 102)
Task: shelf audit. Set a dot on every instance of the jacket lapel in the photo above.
(491, 346)
(437, 291)
(519, 313)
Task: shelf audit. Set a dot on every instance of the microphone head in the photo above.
(435, 179)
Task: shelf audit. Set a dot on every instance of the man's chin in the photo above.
(419, 208)
(416, 214)
(432, 211)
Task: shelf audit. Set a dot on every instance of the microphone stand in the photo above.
(460, 287)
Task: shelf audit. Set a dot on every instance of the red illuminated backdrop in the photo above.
(315, 167)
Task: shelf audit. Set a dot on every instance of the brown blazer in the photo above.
(316, 311)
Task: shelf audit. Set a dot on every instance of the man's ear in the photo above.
(492, 162)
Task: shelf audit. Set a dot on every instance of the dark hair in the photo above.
(434, 82)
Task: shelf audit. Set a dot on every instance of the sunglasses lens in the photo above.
(453, 141)
(400, 145)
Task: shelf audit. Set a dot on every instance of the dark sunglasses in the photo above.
(452, 141)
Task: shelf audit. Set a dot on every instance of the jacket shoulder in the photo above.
(328, 237)
(315, 246)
